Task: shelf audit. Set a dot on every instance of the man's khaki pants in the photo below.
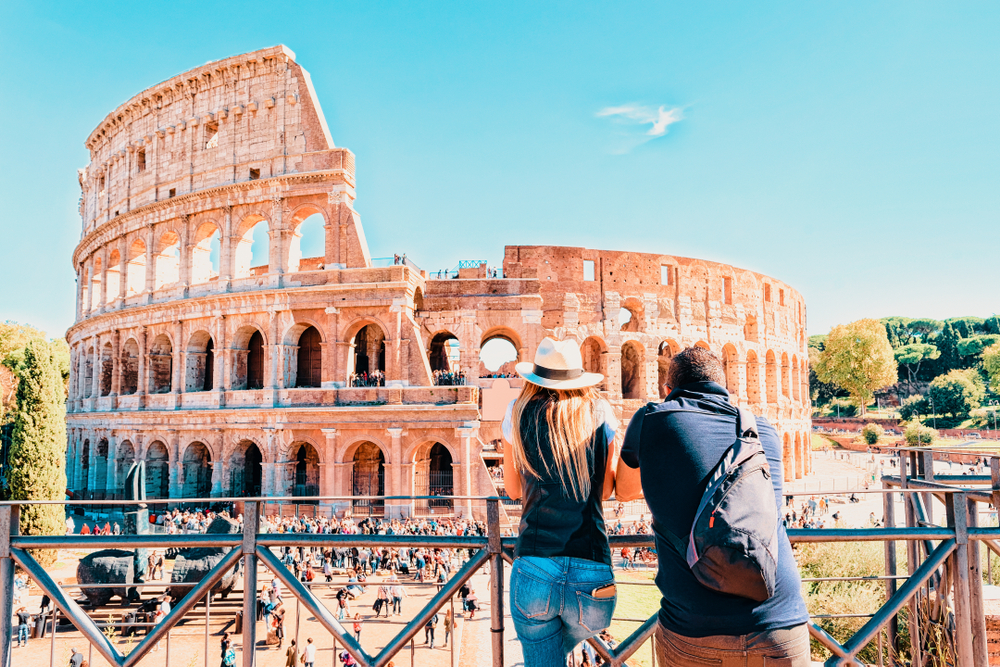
(786, 647)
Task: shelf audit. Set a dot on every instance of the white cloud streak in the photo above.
(659, 119)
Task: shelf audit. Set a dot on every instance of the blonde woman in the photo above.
(559, 456)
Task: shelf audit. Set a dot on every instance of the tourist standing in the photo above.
(291, 655)
(23, 624)
(449, 622)
(559, 456)
(675, 445)
(309, 653)
(357, 627)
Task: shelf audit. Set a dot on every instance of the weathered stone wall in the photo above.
(232, 379)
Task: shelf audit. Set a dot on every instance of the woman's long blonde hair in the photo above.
(569, 414)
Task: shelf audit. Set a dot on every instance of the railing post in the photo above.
(10, 519)
(496, 578)
(957, 508)
(976, 612)
(889, 520)
(251, 520)
(928, 456)
(907, 464)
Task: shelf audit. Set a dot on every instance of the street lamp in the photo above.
(994, 404)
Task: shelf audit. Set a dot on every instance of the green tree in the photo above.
(858, 357)
(947, 343)
(974, 345)
(13, 337)
(912, 355)
(991, 364)
(38, 442)
(957, 392)
(820, 392)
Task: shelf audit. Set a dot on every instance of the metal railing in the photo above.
(944, 574)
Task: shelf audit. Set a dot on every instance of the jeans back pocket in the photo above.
(532, 596)
(595, 613)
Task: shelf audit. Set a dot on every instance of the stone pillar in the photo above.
(80, 277)
(92, 464)
(267, 481)
(614, 374)
(122, 272)
(175, 481)
(222, 378)
(184, 270)
(271, 380)
(143, 381)
(276, 256)
(178, 360)
(116, 372)
(396, 508)
(226, 250)
(111, 479)
(331, 348)
(96, 368)
(81, 365)
(464, 473)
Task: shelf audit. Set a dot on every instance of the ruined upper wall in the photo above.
(250, 116)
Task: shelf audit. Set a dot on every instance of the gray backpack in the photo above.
(733, 544)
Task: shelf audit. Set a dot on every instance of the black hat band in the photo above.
(553, 374)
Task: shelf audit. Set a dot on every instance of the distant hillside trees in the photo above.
(858, 358)
(957, 392)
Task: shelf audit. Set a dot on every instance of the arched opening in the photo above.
(664, 354)
(157, 471)
(205, 254)
(135, 270)
(497, 357)
(161, 365)
(304, 470)
(309, 361)
(788, 459)
(804, 381)
(369, 357)
(753, 378)
(107, 368)
(101, 469)
(248, 359)
(85, 469)
(125, 459)
(799, 457)
(251, 254)
(750, 329)
(595, 359)
(368, 479)
(255, 361)
(197, 465)
(95, 285)
(703, 345)
(633, 377)
(418, 300)
(167, 260)
(199, 373)
(88, 374)
(433, 476)
(786, 385)
(796, 385)
(129, 368)
(307, 248)
(246, 471)
(114, 276)
(444, 352)
(730, 368)
(771, 378)
(631, 315)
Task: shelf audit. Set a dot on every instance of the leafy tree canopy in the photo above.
(957, 392)
(912, 355)
(858, 357)
(974, 345)
(817, 342)
(991, 364)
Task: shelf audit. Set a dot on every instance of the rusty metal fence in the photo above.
(944, 573)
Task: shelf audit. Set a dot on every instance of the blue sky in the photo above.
(850, 149)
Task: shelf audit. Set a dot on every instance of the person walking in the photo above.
(357, 627)
(559, 457)
(309, 653)
(23, 625)
(224, 646)
(291, 655)
(669, 454)
(449, 623)
(429, 630)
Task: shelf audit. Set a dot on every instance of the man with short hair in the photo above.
(309, 654)
(676, 445)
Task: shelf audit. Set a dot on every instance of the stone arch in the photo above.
(129, 382)
(439, 351)
(135, 269)
(753, 378)
(196, 463)
(367, 350)
(730, 368)
(418, 300)
(368, 478)
(771, 377)
(167, 259)
(433, 476)
(108, 368)
(206, 241)
(246, 246)
(788, 458)
(637, 315)
(786, 386)
(506, 333)
(303, 356)
(703, 345)
(665, 351)
(302, 469)
(113, 275)
(157, 457)
(199, 374)
(124, 458)
(249, 358)
(750, 331)
(307, 228)
(595, 358)
(633, 368)
(161, 365)
(246, 469)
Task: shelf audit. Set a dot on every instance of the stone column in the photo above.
(331, 356)
(395, 508)
(96, 368)
(104, 279)
(143, 365)
(150, 264)
(80, 277)
(267, 473)
(122, 272)
(92, 464)
(464, 472)
(222, 378)
(614, 374)
(226, 250)
(81, 365)
(276, 256)
(116, 372)
(184, 272)
(175, 481)
(111, 479)
(271, 381)
(177, 372)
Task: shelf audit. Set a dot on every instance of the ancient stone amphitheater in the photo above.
(206, 344)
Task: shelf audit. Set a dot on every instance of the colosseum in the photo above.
(215, 343)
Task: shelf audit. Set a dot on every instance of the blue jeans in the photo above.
(22, 634)
(552, 609)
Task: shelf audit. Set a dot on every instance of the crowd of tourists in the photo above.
(449, 378)
(366, 379)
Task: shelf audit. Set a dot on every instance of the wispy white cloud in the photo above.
(633, 118)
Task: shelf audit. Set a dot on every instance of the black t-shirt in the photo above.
(676, 445)
(23, 618)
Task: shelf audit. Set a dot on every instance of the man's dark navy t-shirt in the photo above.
(676, 445)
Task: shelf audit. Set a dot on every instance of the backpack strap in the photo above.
(746, 424)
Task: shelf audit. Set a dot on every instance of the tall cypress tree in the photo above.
(38, 444)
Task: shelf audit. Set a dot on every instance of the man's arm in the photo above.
(628, 482)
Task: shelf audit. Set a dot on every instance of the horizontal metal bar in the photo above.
(192, 540)
(872, 578)
(867, 534)
(285, 500)
(360, 539)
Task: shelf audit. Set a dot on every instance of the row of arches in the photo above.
(159, 262)
(796, 455)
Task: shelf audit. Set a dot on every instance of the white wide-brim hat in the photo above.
(558, 364)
